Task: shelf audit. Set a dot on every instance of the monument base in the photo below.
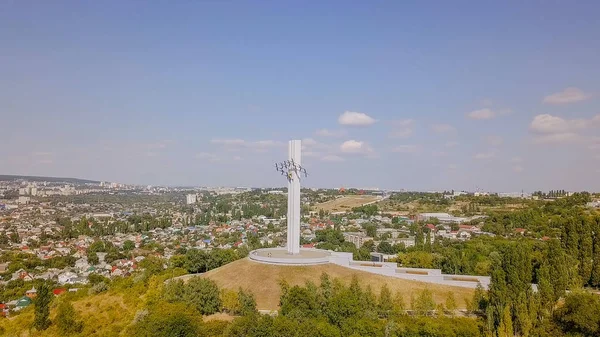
(280, 256)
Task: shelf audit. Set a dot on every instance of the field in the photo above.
(345, 203)
(263, 281)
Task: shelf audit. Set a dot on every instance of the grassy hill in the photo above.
(263, 280)
(113, 313)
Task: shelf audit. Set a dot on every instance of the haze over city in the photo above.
(436, 95)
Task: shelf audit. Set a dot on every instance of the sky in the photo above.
(427, 95)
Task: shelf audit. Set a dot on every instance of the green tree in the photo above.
(128, 245)
(369, 245)
(371, 230)
(203, 294)
(545, 288)
(174, 291)
(385, 248)
(595, 277)
(369, 302)
(97, 278)
(424, 302)
(506, 326)
(247, 303)
(399, 305)
(196, 261)
(230, 301)
(586, 249)
(579, 314)
(168, 320)
(42, 307)
(152, 265)
(451, 302)
(66, 319)
(300, 302)
(558, 269)
(385, 306)
(325, 291)
(92, 258)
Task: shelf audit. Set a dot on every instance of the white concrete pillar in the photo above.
(293, 217)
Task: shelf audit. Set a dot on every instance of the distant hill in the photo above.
(48, 179)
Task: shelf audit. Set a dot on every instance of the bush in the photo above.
(98, 288)
(96, 278)
(168, 320)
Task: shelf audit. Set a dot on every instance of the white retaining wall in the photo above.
(391, 269)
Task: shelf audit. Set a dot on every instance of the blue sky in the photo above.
(499, 96)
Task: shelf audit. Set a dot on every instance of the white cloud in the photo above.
(452, 167)
(352, 118)
(353, 146)
(443, 128)
(568, 95)
(552, 129)
(494, 140)
(516, 160)
(451, 144)
(402, 128)
(484, 155)
(330, 133)
(546, 123)
(518, 168)
(482, 114)
(332, 158)
(405, 149)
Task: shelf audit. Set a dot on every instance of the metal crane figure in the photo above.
(290, 168)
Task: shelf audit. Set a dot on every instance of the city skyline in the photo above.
(419, 97)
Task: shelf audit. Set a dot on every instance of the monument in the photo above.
(293, 171)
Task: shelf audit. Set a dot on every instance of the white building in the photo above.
(357, 238)
(442, 217)
(191, 199)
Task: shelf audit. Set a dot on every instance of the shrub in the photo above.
(169, 320)
(98, 288)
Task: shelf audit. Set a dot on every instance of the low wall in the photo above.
(296, 260)
(416, 274)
